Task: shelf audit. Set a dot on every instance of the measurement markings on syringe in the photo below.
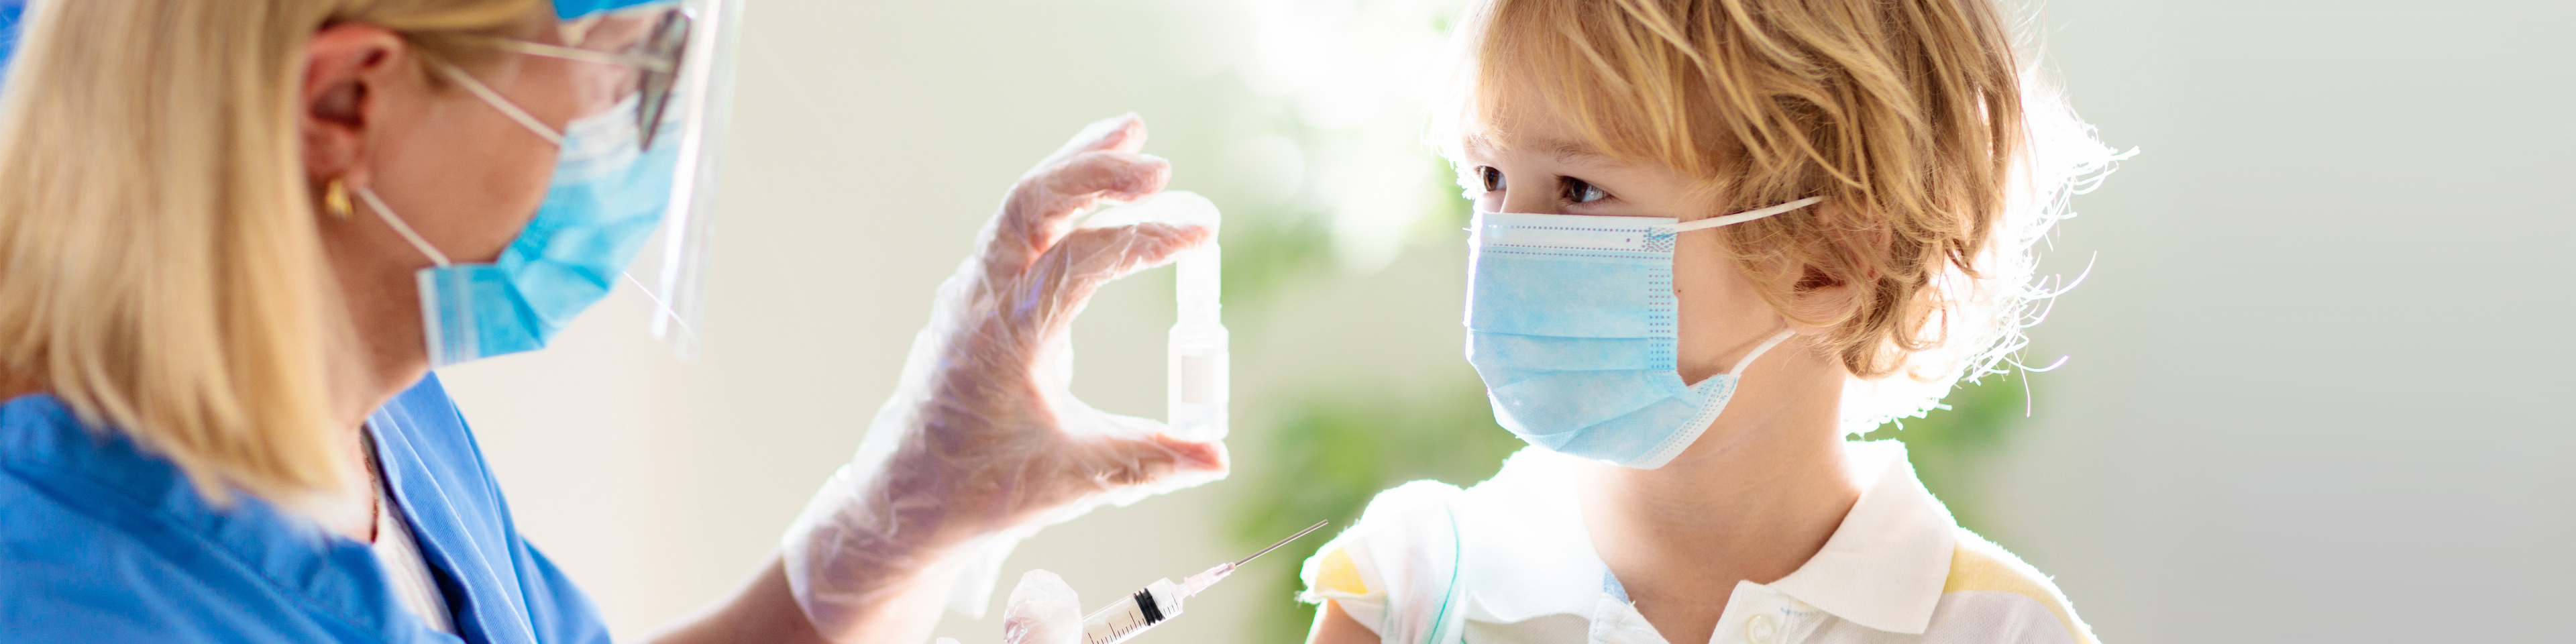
(1162, 600)
(1115, 633)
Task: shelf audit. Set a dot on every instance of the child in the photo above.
(1686, 388)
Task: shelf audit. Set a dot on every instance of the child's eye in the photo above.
(1493, 178)
(1580, 191)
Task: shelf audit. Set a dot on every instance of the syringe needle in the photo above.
(1194, 584)
(1282, 542)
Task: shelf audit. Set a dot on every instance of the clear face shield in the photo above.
(649, 86)
(668, 68)
(636, 171)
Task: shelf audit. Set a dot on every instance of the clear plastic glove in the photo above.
(982, 442)
(1042, 610)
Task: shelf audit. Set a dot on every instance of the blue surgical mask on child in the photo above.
(1571, 323)
(605, 199)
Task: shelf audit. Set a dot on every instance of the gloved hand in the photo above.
(982, 442)
(1042, 610)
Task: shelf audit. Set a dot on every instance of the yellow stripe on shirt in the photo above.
(1336, 573)
(1973, 568)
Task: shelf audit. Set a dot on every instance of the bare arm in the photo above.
(761, 611)
(1332, 626)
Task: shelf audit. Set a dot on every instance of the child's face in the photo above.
(1544, 166)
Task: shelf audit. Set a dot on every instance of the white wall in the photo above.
(2315, 381)
(2318, 380)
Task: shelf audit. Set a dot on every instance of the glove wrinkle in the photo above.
(983, 442)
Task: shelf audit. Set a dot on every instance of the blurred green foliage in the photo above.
(1331, 454)
(1952, 448)
(1267, 247)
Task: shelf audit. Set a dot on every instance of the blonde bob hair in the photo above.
(163, 270)
(1940, 154)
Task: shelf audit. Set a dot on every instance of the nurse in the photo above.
(236, 235)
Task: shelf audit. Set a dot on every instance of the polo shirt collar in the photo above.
(1882, 568)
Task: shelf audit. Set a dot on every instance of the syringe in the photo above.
(1161, 600)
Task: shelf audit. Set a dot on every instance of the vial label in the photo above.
(1195, 377)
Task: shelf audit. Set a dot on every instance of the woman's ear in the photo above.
(347, 67)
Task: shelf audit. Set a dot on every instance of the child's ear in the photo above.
(1830, 295)
(1821, 301)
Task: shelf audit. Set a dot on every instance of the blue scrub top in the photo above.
(102, 542)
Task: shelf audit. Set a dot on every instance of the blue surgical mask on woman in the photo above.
(1572, 324)
(607, 196)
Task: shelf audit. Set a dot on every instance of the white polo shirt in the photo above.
(1509, 561)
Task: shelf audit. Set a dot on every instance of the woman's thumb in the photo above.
(1146, 460)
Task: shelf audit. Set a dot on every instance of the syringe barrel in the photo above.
(1199, 377)
(1131, 615)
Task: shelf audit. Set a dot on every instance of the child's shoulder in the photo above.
(1384, 569)
(1401, 567)
(1989, 588)
(1405, 532)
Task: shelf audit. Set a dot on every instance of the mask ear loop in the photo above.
(543, 131)
(1741, 217)
(377, 205)
(1775, 340)
(503, 104)
(1746, 216)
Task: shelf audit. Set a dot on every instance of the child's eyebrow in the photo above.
(1570, 152)
(1476, 144)
(1566, 152)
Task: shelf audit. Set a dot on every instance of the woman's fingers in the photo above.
(1034, 214)
(1065, 277)
(1121, 133)
(1155, 459)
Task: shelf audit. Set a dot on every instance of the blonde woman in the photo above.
(237, 234)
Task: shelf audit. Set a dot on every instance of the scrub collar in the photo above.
(10, 11)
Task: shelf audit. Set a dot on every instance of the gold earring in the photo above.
(335, 199)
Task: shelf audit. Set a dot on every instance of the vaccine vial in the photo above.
(1198, 379)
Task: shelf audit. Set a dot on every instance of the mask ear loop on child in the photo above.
(1747, 361)
(1738, 218)
(1745, 216)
